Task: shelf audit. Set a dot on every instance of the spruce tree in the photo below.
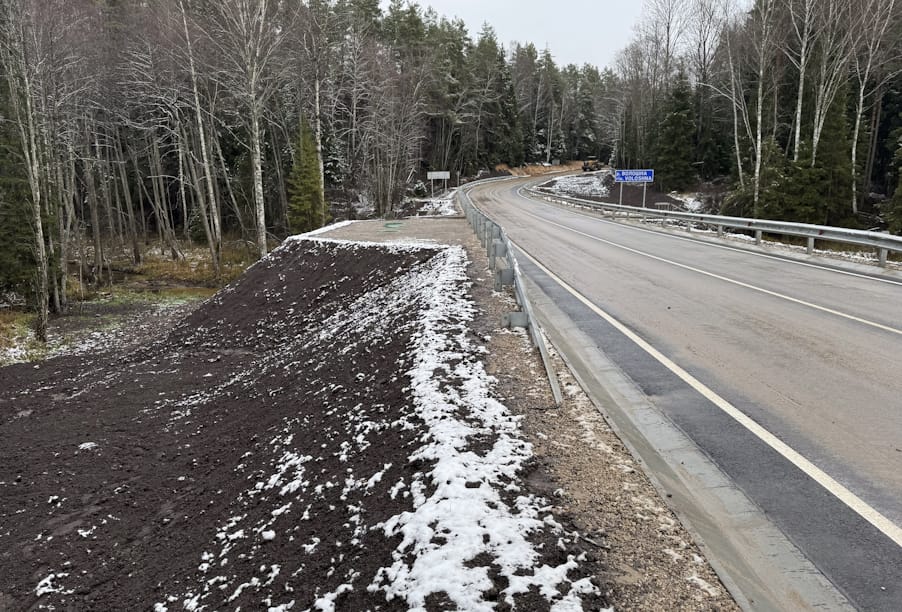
(892, 209)
(306, 204)
(675, 141)
(17, 264)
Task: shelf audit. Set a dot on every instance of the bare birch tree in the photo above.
(764, 41)
(208, 202)
(20, 62)
(798, 48)
(249, 37)
(40, 69)
(836, 42)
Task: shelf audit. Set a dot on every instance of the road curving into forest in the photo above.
(783, 374)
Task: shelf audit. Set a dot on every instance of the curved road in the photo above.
(787, 374)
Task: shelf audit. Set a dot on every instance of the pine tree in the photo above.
(306, 204)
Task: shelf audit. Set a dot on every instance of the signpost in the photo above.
(441, 175)
(634, 176)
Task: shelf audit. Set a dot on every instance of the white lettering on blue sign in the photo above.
(634, 176)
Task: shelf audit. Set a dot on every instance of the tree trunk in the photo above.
(215, 234)
(872, 149)
(759, 116)
(129, 206)
(94, 205)
(859, 111)
(203, 214)
(318, 134)
(257, 165)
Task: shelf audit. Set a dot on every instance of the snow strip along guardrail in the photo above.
(498, 246)
(883, 243)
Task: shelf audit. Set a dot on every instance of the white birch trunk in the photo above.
(214, 235)
(257, 167)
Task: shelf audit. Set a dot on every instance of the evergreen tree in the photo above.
(306, 203)
(675, 141)
(892, 209)
(17, 264)
(509, 132)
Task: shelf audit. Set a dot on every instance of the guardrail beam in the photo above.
(883, 243)
(499, 244)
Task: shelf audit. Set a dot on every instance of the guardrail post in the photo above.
(503, 277)
(499, 249)
(720, 231)
(493, 235)
(514, 319)
(487, 237)
(881, 257)
(758, 234)
(810, 248)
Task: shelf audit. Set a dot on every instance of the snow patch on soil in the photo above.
(467, 514)
(588, 184)
(324, 229)
(443, 206)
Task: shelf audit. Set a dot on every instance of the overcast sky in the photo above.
(576, 31)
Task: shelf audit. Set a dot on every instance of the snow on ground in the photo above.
(442, 206)
(689, 200)
(863, 257)
(326, 228)
(586, 184)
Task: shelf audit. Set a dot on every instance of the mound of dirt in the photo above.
(320, 434)
(538, 169)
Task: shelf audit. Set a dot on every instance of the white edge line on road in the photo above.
(727, 247)
(868, 513)
(782, 296)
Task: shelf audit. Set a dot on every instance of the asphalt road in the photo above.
(788, 375)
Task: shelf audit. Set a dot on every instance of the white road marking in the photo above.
(859, 506)
(726, 247)
(782, 296)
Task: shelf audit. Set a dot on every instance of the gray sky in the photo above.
(576, 31)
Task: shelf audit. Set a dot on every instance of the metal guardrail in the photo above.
(881, 242)
(499, 249)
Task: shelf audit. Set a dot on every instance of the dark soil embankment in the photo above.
(306, 438)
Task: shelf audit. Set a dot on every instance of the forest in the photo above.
(128, 126)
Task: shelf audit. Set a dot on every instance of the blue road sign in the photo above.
(634, 176)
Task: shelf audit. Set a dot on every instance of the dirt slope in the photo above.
(304, 440)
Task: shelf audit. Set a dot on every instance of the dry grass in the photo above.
(196, 268)
(13, 325)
